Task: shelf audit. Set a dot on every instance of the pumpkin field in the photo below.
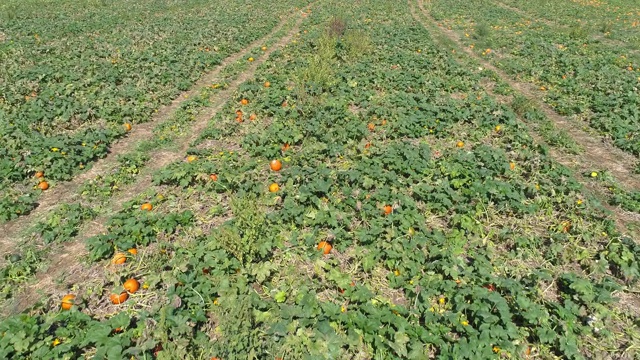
(371, 179)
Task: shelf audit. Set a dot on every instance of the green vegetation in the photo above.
(414, 215)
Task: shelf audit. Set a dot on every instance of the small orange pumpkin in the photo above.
(118, 299)
(119, 258)
(68, 301)
(325, 247)
(132, 285)
(275, 165)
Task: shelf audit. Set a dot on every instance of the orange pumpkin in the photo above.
(118, 299)
(68, 301)
(275, 165)
(119, 258)
(131, 285)
(325, 247)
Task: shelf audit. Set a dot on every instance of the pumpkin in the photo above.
(325, 247)
(68, 301)
(275, 165)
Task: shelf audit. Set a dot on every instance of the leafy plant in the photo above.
(247, 235)
(63, 224)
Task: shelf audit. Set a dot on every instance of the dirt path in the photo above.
(596, 152)
(64, 192)
(66, 265)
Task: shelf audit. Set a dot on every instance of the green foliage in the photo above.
(319, 74)
(246, 236)
(577, 32)
(20, 265)
(14, 203)
(337, 26)
(102, 187)
(491, 250)
(133, 227)
(63, 108)
(76, 329)
(522, 105)
(606, 27)
(582, 74)
(64, 223)
(358, 44)
(628, 200)
(482, 31)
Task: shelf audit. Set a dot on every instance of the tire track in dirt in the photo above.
(596, 153)
(64, 192)
(66, 265)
